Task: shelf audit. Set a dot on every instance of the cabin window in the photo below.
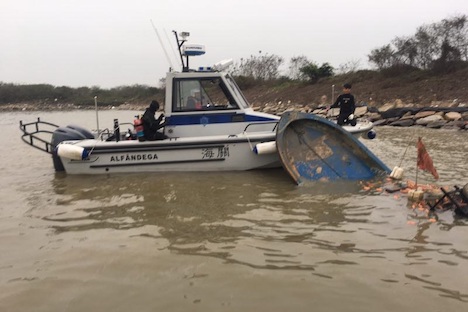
(201, 94)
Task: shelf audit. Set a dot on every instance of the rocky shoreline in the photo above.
(438, 115)
(452, 115)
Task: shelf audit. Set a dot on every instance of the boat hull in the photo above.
(218, 153)
(313, 148)
(363, 129)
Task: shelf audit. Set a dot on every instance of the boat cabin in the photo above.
(200, 103)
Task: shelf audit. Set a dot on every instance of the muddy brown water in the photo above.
(236, 241)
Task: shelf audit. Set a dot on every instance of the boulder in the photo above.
(319, 111)
(334, 112)
(372, 109)
(386, 107)
(423, 114)
(452, 116)
(436, 124)
(360, 111)
(399, 103)
(381, 122)
(268, 109)
(403, 123)
(457, 124)
(398, 112)
(464, 116)
(390, 120)
(374, 116)
(407, 115)
(427, 120)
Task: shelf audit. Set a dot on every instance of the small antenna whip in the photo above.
(97, 116)
(169, 42)
(162, 45)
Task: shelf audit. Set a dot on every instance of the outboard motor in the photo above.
(68, 133)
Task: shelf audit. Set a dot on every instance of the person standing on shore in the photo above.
(345, 102)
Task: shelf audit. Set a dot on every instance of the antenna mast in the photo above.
(187, 49)
(162, 45)
(180, 43)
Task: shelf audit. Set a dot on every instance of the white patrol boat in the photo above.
(209, 124)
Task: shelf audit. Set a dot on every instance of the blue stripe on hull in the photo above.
(183, 120)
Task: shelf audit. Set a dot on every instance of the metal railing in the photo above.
(31, 136)
(253, 124)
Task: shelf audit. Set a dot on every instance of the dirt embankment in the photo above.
(372, 88)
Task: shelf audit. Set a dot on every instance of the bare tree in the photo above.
(350, 66)
(405, 51)
(427, 49)
(295, 65)
(262, 67)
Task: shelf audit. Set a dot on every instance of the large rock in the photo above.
(407, 115)
(334, 112)
(399, 103)
(426, 120)
(437, 124)
(398, 112)
(457, 124)
(423, 114)
(386, 107)
(269, 109)
(403, 123)
(452, 116)
(383, 122)
(372, 109)
(380, 122)
(319, 111)
(360, 111)
(374, 116)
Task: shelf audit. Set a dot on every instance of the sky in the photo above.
(110, 43)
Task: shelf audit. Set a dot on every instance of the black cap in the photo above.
(154, 105)
(347, 86)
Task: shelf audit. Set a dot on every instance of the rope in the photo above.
(402, 157)
(96, 140)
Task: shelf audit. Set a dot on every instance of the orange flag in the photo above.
(425, 161)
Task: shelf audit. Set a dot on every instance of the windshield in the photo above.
(238, 93)
(202, 94)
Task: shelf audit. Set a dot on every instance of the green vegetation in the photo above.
(47, 94)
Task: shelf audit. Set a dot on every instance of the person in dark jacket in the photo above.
(151, 125)
(345, 102)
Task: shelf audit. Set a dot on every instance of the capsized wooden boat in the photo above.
(313, 148)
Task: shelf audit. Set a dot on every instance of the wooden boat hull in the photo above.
(313, 148)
